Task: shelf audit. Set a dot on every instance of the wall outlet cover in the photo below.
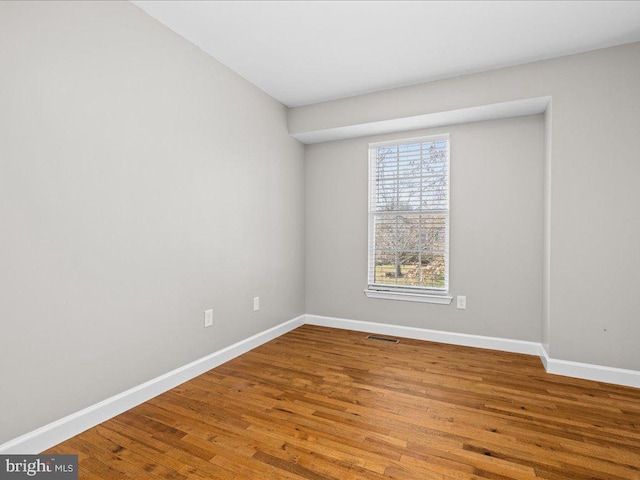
(208, 318)
(461, 302)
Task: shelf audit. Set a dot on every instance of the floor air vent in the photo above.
(382, 339)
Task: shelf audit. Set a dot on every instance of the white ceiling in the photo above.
(303, 52)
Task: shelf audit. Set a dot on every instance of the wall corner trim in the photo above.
(60, 430)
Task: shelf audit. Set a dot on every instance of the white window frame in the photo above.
(396, 292)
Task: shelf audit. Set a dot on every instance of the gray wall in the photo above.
(592, 272)
(495, 231)
(141, 182)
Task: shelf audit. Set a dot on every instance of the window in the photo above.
(409, 218)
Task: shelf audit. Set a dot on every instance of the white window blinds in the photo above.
(409, 214)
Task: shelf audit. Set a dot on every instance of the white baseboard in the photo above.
(598, 373)
(588, 371)
(56, 432)
(478, 341)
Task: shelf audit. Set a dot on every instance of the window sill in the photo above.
(409, 297)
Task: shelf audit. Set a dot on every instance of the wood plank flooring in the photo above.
(321, 404)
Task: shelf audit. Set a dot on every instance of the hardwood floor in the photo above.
(319, 403)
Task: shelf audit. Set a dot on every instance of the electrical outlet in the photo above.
(208, 318)
(462, 302)
(256, 304)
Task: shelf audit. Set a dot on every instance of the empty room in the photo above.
(319, 240)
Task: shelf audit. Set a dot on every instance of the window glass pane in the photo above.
(409, 214)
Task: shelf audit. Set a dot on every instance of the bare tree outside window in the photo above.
(409, 213)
